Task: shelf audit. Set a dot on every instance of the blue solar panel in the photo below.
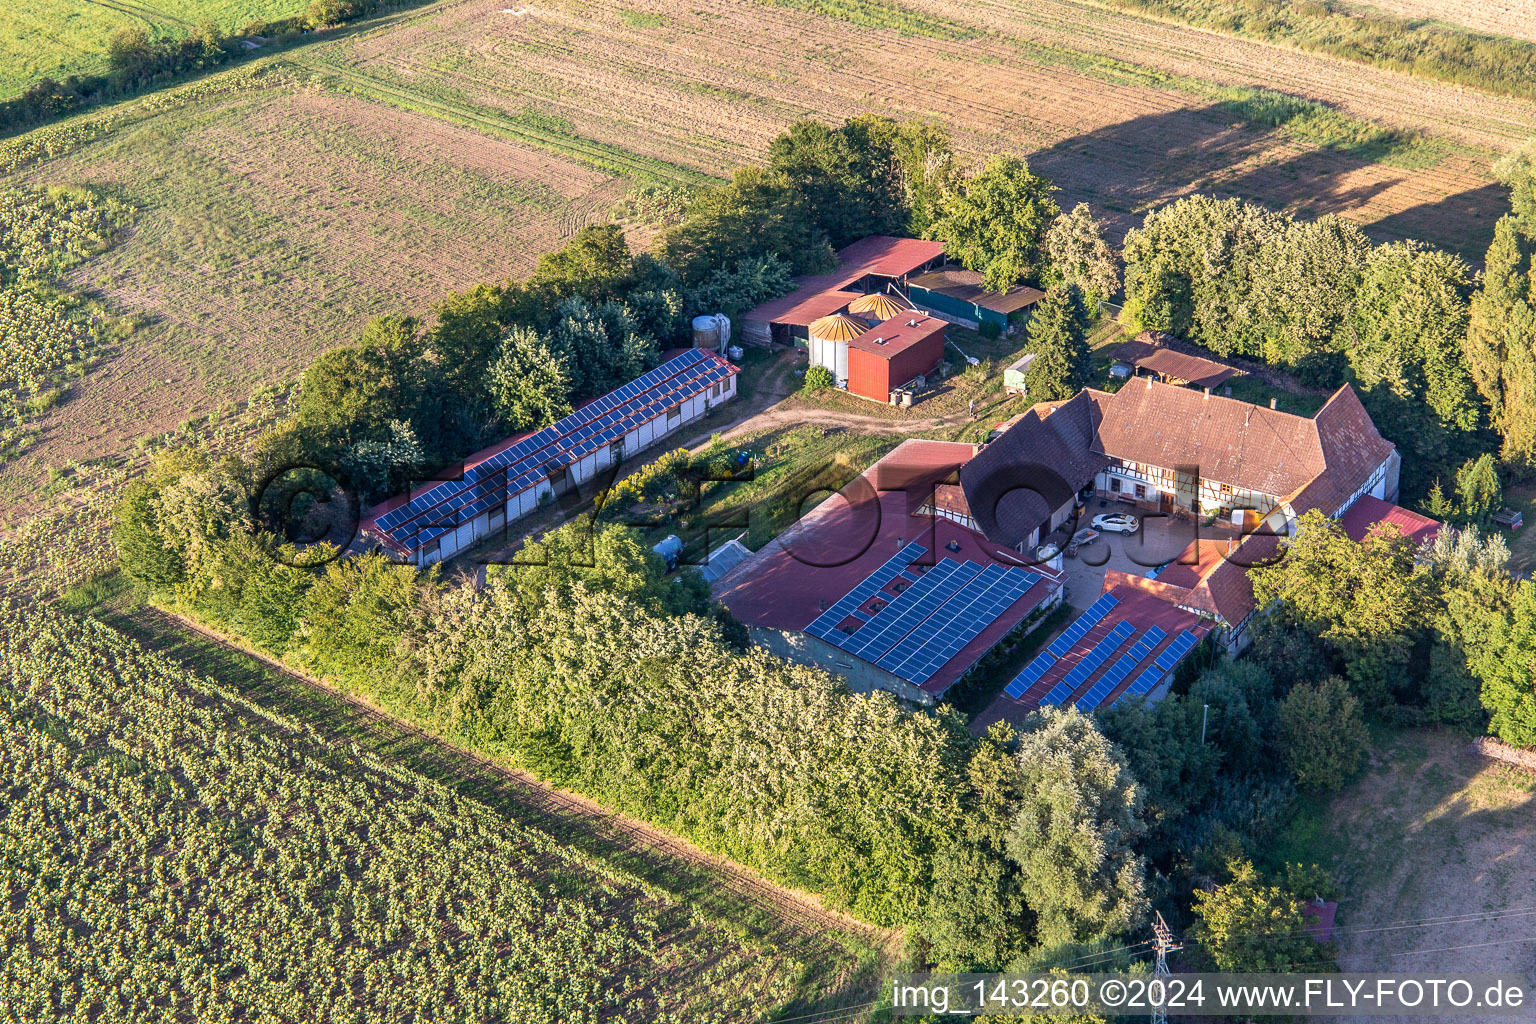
(960, 621)
(1082, 624)
(1162, 665)
(1117, 672)
(1079, 673)
(910, 608)
(1031, 675)
(825, 624)
(446, 505)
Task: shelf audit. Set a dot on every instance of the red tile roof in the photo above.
(805, 305)
(1368, 512)
(840, 542)
(1146, 353)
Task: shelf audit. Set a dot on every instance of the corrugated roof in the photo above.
(1368, 512)
(878, 254)
(1147, 354)
(879, 305)
(804, 305)
(966, 286)
(898, 333)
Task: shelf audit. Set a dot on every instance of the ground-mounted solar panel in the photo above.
(1031, 675)
(910, 608)
(1116, 673)
(970, 618)
(1082, 624)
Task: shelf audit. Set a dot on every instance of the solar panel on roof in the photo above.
(690, 372)
(1082, 624)
(910, 608)
(939, 638)
(1162, 664)
(825, 624)
(1031, 675)
(1117, 672)
(1088, 664)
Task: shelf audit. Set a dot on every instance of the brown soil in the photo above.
(1495, 17)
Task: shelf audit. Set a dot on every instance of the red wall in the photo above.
(872, 374)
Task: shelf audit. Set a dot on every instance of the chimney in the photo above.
(1207, 392)
(1149, 383)
(1271, 403)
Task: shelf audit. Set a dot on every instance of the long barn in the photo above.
(508, 480)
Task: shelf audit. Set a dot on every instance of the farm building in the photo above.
(508, 480)
(1150, 353)
(879, 590)
(893, 354)
(957, 294)
(878, 263)
(1174, 451)
(1013, 377)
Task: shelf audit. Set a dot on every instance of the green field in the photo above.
(58, 38)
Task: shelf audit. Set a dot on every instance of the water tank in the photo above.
(734, 352)
(706, 332)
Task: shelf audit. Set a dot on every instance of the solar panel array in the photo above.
(520, 466)
(1163, 665)
(1083, 623)
(1089, 664)
(825, 625)
(1117, 672)
(957, 623)
(1031, 675)
(927, 624)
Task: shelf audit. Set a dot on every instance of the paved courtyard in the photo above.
(1161, 539)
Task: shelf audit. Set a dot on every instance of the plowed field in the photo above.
(1121, 111)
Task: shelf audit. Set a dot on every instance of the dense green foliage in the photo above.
(172, 851)
(1319, 300)
(1323, 733)
(1252, 926)
(996, 221)
(1430, 49)
(1079, 255)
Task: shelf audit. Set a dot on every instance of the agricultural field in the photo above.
(271, 218)
(1428, 845)
(58, 38)
(1120, 111)
(1495, 17)
(187, 853)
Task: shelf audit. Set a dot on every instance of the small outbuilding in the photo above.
(1013, 377)
(894, 354)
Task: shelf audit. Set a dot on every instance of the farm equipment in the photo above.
(1509, 519)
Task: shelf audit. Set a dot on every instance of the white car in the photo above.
(1116, 522)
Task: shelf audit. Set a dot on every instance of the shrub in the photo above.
(819, 378)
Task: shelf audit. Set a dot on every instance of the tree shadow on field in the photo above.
(1125, 170)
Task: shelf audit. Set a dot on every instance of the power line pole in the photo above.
(1162, 937)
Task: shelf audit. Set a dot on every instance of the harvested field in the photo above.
(1495, 17)
(1120, 111)
(272, 225)
(1435, 848)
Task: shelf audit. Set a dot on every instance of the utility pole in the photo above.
(1163, 938)
(1204, 715)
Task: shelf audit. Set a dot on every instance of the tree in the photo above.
(530, 384)
(1251, 927)
(136, 533)
(996, 222)
(1504, 660)
(1365, 601)
(929, 170)
(748, 283)
(1078, 252)
(1079, 812)
(1477, 485)
(1057, 335)
(818, 378)
(845, 177)
(595, 264)
(755, 214)
(1164, 753)
(129, 51)
(1322, 734)
(379, 468)
(601, 345)
(1410, 320)
(351, 392)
